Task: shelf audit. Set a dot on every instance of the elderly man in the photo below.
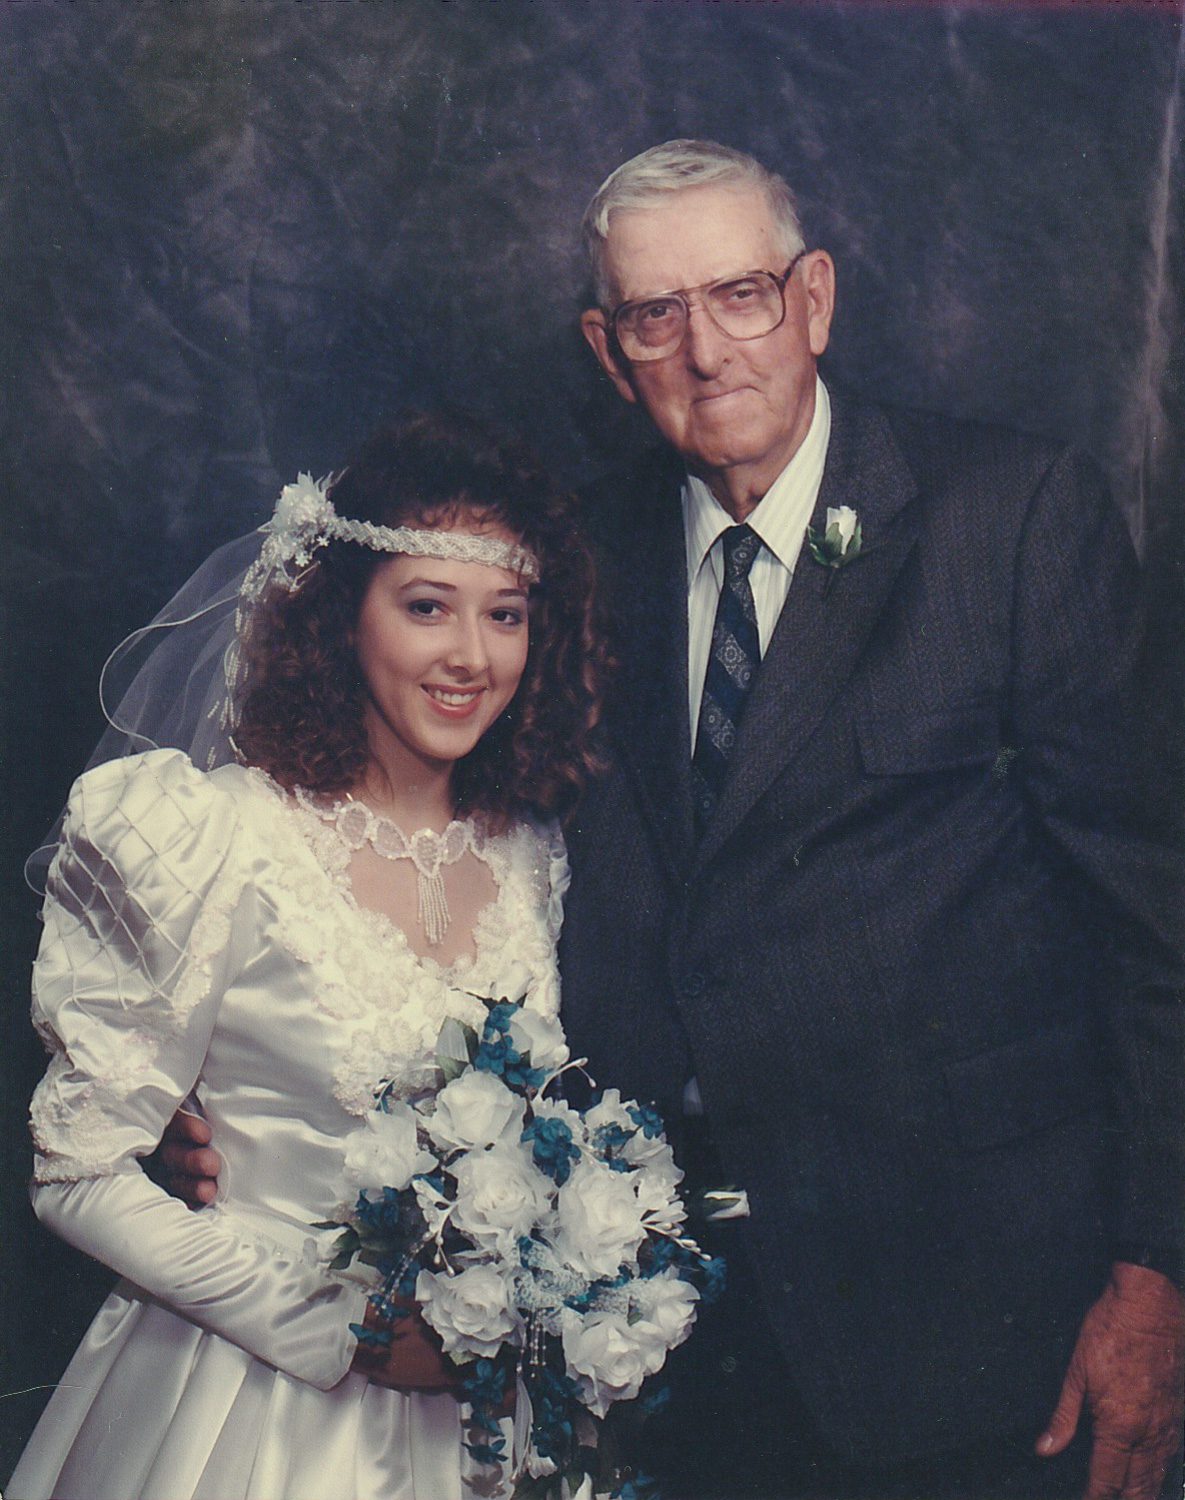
(873, 884)
(873, 899)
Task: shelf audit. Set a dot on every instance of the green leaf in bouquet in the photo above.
(345, 1247)
(373, 1256)
(456, 1047)
(450, 1068)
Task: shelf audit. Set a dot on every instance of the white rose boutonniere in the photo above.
(839, 541)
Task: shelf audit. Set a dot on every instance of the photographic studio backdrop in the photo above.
(237, 234)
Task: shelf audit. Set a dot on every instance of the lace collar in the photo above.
(357, 824)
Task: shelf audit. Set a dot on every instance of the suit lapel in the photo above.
(828, 616)
(650, 602)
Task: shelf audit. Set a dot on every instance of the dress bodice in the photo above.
(201, 936)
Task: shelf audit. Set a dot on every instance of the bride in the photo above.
(411, 696)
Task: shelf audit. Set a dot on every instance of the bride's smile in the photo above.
(442, 646)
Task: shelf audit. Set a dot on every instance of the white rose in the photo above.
(384, 1152)
(476, 1109)
(656, 1184)
(470, 1311)
(557, 1109)
(608, 1357)
(501, 1195)
(642, 1148)
(608, 1111)
(668, 1306)
(845, 518)
(599, 1219)
(542, 1037)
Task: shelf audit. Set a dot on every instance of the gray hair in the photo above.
(669, 168)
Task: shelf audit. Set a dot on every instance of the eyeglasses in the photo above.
(743, 307)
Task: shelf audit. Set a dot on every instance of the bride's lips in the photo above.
(453, 703)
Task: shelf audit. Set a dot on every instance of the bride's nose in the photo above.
(467, 653)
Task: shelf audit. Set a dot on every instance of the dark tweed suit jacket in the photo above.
(926, 960)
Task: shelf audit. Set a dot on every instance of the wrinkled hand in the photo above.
(184, 1163)
(1129, 1368)
(413, 1361)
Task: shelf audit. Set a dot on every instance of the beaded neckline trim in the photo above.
(429, 852)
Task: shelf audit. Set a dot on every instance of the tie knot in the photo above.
(741, 545)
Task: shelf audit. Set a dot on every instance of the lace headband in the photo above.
(176, 681)
(305, 520)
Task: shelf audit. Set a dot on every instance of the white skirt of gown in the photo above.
(152, 1407)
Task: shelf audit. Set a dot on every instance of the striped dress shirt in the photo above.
(780, 520)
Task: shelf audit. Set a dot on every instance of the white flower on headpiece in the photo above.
(302, 503)
(302, 522)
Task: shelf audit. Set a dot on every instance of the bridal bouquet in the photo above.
(545, 1245)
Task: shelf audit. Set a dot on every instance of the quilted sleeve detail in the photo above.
(137, 918)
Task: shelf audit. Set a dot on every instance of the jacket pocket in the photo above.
(1022, 1088)
(908, 744)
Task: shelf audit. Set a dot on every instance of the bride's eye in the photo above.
(425, 608)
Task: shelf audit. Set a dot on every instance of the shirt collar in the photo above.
(781, 516)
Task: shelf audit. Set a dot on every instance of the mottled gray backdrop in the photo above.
(234, 234)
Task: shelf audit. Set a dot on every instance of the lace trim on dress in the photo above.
(357, 824)
(391, 1004)
(390, 1000)
(71, 1124)
(332, 841)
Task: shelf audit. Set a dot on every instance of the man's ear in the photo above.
(592, 325)
(818, 277)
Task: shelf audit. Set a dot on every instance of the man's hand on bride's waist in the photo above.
(184, 1163)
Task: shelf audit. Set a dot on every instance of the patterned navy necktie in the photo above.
(734, 658)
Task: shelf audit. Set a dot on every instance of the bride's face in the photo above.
(442, 646)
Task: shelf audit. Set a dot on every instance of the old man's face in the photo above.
(736, 410)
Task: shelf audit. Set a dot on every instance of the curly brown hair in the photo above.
(301, 705)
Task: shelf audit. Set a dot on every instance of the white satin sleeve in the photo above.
(147, 906)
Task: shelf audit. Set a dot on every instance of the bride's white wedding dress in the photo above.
(202, 934)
